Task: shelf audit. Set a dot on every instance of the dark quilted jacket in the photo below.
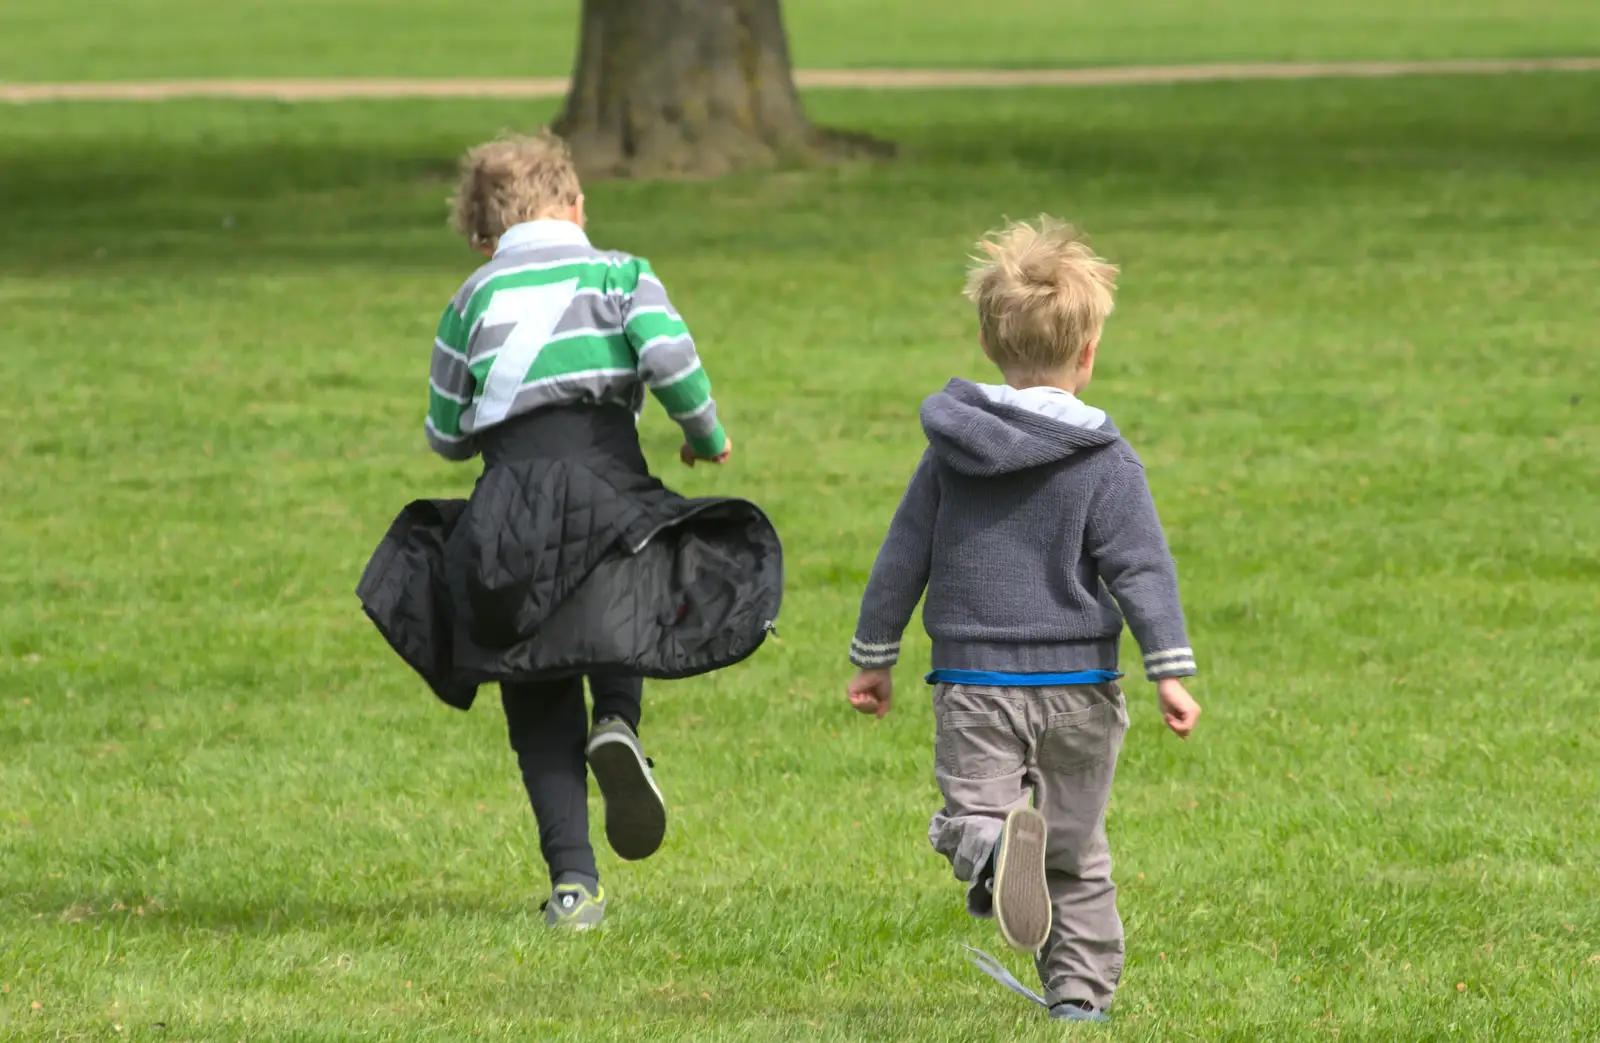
(570, 559)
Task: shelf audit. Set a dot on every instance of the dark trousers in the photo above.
(548, 732)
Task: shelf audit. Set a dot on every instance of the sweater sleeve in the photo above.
(451, 386)
(669, 364)
(899, 575)
(1130, 551)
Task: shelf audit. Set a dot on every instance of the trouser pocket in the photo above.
(1076, 742)
(976, 744)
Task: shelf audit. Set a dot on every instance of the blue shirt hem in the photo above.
(994, 679)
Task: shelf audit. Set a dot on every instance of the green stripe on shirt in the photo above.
(445, 413)
(452, 330)
(653, 325)
(688, 396)
(685, 395)
(581, 354)
(712, 445)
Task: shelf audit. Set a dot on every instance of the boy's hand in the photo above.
(1177, 706)
(689, 457)
(870, 691)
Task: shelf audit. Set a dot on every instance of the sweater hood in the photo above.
(992, 429)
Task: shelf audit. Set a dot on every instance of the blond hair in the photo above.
(514, 178)
(1042, 295)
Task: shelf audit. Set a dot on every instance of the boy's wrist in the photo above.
(874, 655)
(1169, 663)
(710, 446)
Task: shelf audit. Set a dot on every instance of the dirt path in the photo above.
(874, 79)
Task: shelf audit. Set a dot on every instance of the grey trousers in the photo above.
(996, 747)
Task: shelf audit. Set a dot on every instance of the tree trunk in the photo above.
(673, 88)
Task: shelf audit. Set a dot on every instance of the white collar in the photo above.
(1055, 403)
(543, 232)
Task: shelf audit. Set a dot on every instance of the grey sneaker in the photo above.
(1076, 1010)
(574, 907)
(636, 815)
(1021, 896)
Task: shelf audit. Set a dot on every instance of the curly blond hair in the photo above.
(1042, 295)
(514, 178)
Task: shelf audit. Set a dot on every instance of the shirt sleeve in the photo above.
(669, 364)
(1130, 551)
(451, 385)
(900, 573)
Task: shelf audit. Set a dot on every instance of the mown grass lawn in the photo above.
(1357, 347)
(131, 39)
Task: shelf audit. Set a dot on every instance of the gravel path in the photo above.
(870, 79)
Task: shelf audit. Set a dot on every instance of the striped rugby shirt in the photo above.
(551, 321)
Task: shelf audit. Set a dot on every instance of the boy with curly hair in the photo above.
(554, 332)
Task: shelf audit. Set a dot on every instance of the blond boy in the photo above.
(547, 351)
(1030, 525)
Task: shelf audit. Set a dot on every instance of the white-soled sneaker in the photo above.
(636, 814)
(1021, 896)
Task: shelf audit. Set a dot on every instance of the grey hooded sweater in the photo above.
(1030, 525)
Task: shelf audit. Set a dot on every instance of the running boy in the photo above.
(1031, 527)
(549, 348)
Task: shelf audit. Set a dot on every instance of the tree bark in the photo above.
(696, 88)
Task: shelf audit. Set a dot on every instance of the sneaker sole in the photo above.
(636, 816)
(1021, 896)
(1070, 1013)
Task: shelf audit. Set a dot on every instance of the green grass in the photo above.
(1356, 347)
(96, 40)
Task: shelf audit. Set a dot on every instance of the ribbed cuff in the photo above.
(709, 447)
(451, 447)
(1170, 662)
(870, 655)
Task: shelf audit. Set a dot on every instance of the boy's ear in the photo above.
(578, 217)
(1087, 359)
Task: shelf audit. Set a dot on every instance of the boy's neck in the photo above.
(1067, 382)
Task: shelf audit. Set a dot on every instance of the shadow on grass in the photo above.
(1264, 131)
(227, 205)
(219, 187)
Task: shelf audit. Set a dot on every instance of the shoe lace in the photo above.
(997, 970)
